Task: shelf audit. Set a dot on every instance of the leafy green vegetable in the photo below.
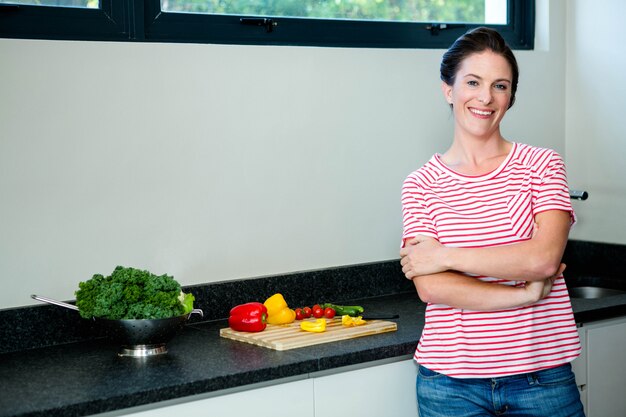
(187, 301)
(130, 293)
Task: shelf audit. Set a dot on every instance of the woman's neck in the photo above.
(476, 156)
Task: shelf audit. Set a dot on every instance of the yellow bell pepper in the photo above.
(275, 303)
(350, 321)
(317, 326)
(284, 316)
(278, 312)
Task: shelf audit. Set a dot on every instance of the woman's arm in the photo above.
(461, 291)
(535, 259)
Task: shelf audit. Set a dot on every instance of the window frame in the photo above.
(143, 21)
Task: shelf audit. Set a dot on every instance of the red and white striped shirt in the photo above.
(497, 208)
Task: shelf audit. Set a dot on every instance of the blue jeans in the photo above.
(548, 393)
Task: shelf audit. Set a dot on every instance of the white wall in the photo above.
(595, 102)
(212, 162)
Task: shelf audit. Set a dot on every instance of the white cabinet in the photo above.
(579, 367)
(606, 368)
(604, 363)
(282, 400)
(385, 390)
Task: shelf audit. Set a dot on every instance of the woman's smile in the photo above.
(481, 113)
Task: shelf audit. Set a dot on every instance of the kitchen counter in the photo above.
(88, 377)
(85, 377)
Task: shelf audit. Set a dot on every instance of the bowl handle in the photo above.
(197, 311)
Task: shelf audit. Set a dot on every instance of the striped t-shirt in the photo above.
(497, 208)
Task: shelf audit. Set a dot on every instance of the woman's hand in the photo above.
(422, 256)
(538, 290)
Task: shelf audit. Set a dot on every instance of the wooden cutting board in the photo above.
(290, 336)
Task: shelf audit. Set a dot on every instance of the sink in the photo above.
(593, 292)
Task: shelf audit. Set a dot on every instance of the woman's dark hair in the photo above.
(475, 41)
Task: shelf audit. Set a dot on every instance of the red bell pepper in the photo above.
(249, 317)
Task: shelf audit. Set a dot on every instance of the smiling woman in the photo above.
(364, 23)
(485, 227)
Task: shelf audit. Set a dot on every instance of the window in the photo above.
(89, 4)
(64, 19)
(340, 23)
(471, 11)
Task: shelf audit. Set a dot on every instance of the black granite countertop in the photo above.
(88, 377)
(82, 376)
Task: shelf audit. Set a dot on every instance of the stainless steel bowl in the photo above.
(138, 338)
(144, 337)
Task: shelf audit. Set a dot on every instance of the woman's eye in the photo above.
(502, 87)
(472, 83)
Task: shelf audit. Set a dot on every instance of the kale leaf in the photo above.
(130, 293)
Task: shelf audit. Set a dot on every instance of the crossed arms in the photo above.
(438, 271)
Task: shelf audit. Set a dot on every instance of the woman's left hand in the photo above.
(422, 256)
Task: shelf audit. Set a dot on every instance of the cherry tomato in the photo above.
(299, 314)
(306, 312)
(318, 312)
(316, 306)
(329, 313)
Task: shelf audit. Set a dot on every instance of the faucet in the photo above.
(578, 194)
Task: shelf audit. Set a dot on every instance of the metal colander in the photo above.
(140, 337)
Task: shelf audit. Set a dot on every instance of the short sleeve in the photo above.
(415, 215)
(552, 192)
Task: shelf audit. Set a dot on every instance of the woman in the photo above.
(485, 227)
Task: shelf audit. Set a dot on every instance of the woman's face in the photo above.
(481, 94)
